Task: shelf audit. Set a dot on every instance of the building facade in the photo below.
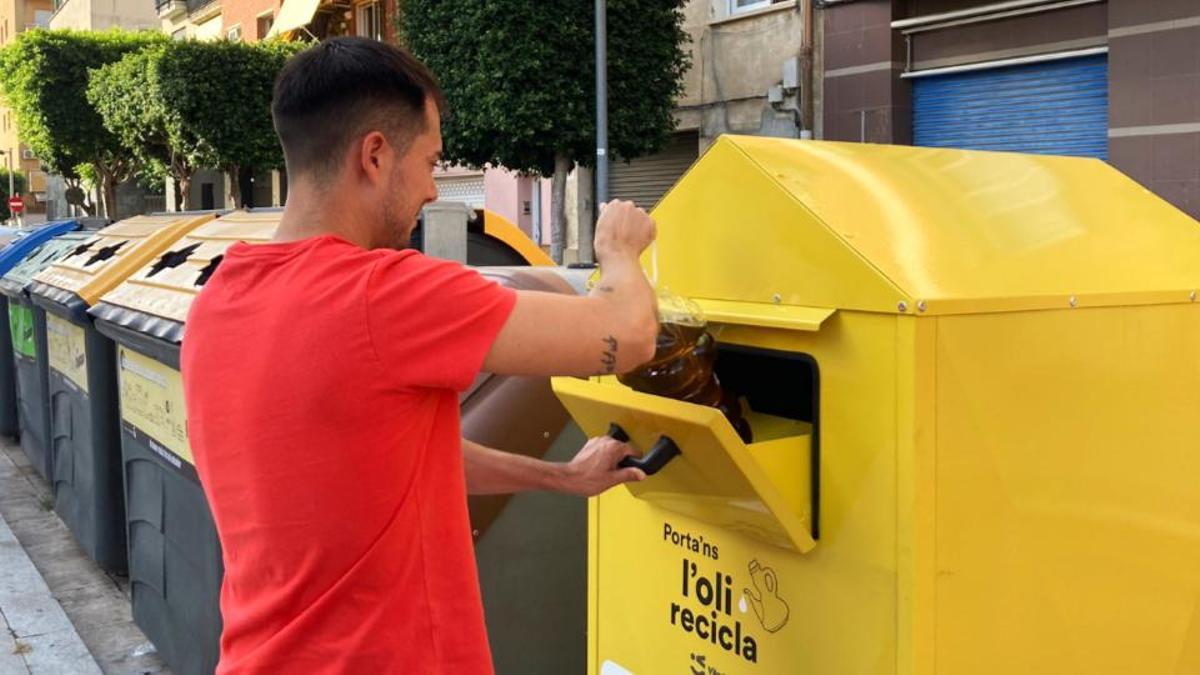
(1113, 79)
(517, 198)
(104, 14)
(249, 20)
(747, 58)
(252, 20)
(196, 19)
(17, 16)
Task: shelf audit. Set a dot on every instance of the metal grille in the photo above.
(1053, 108)
(644, 181)
(465, 189)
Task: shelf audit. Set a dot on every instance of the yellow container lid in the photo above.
(112, 255)
(166, 284)
(922, 231)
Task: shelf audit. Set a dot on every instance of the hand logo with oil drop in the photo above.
(772, 610)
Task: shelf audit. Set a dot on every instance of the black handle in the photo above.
(616, 433)
(652, 462)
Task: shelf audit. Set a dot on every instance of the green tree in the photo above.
(18, 187)
(187, 105)
(520, 79)
(130, 108)
(44, 79)
(217, 103)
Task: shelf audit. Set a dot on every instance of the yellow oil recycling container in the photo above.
(973, 382)
(175, 567)
(84, 450)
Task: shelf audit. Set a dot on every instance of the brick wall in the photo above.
(245, 13)
(1154, 99)
(864, 98)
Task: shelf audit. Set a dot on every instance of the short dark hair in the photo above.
(330, 95)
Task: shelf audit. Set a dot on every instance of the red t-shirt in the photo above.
(322, 387)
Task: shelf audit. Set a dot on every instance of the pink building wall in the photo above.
(511, 196)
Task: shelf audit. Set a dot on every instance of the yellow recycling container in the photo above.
(972, 380)
(175, 567)
(81, 394)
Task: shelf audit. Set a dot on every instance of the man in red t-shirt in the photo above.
(322, 374)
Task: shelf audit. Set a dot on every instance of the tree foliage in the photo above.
(122, 94)
(520, 76)
(217, 99)
(187, 105)
(44, 79)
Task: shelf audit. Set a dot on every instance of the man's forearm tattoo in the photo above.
(609, 359)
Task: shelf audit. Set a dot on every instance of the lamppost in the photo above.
(601, 101)
(585, 239)
(8, 160)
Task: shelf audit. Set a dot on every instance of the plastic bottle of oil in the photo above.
(682, 366)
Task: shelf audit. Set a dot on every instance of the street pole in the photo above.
(8, 160)
(601, 121)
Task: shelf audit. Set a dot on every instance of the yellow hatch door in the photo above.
(716, 477)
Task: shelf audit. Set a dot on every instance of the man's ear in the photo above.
(374, 155)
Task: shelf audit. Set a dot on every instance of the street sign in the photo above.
(16, 204)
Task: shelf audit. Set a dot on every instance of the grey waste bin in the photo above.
(28, 336)
(175, 566)
(27, 242)
(85, 450)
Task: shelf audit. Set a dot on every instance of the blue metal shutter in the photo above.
(1051, 108)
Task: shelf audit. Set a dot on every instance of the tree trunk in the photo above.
(108, 192)
(181, 174)
(110, 198)
(558, 207)
(183, 184)
(235, 185)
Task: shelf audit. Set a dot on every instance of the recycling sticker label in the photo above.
(727, 606)
(21, 327)
(67, 345)
(715, 604)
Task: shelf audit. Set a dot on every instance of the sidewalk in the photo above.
(29, 220)
(37, 636)
(59, 613)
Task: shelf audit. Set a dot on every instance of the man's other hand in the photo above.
(623, 231)
(594, 469)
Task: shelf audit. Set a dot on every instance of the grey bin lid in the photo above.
(19, 277)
